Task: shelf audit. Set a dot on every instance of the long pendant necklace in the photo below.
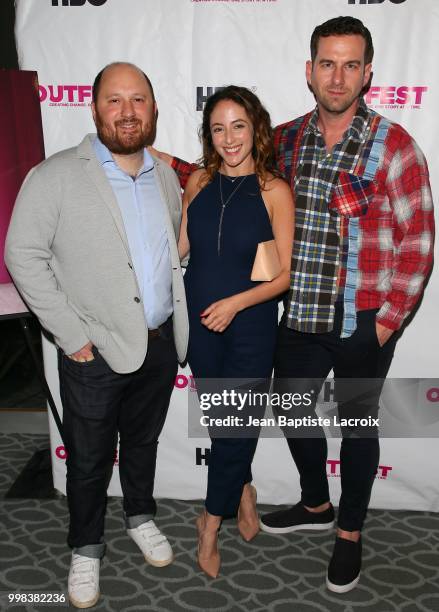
(223, 206)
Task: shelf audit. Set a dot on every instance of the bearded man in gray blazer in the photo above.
(92, 248)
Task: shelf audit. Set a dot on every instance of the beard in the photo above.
(122, 143)
(334, 104)
(337, 107)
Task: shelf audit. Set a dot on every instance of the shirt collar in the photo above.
(104, 156)
(312, 128)
(361, 120)
(356, 129)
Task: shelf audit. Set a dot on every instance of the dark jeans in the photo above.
(98, 404)
(312, 357)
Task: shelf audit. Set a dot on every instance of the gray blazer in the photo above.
(68, 254)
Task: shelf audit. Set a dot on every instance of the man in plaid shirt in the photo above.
(362, 250)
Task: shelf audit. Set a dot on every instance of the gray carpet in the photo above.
(272, 573)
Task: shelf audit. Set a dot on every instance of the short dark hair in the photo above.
(98, 78)
(340, 26)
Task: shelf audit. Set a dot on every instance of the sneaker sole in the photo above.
(84, 604)
(341, 588)
(291, 528)
(159, 563)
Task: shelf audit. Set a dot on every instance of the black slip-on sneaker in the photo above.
(344, 567)
(296, 518)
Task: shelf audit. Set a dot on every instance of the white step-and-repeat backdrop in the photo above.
(188, 48)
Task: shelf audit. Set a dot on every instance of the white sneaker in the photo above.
(153, 544)
(83, 583)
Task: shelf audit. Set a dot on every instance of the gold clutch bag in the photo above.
(267, 264)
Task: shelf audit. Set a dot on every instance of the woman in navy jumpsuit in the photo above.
(231, 205)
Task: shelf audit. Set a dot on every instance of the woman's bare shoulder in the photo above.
(276, 188)
(195, 184)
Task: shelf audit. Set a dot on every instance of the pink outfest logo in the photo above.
(61, 453)
(433, 394)
(182, 381)
(395, 96)
(334, 469)
(65, 95)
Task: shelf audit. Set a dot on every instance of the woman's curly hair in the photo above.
(263, 150)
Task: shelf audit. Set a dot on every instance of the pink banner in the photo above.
(22, 145)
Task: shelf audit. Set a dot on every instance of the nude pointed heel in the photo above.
(248, 520)
(208, 557)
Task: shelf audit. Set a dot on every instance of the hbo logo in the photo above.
(78, 2)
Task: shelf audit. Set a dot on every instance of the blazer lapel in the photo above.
(97, 175)
(170, 229)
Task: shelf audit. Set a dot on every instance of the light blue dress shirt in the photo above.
(143, 216)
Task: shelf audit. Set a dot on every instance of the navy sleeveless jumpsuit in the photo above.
(220, 266)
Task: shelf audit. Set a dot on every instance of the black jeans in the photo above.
(98, 404)
(311, 357)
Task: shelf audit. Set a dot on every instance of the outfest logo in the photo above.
(396, 96)
(65, 95)
(432, 394)
(182, 381)
(334, 469)
(61, 453)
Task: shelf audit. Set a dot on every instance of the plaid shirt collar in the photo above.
(356, 130)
